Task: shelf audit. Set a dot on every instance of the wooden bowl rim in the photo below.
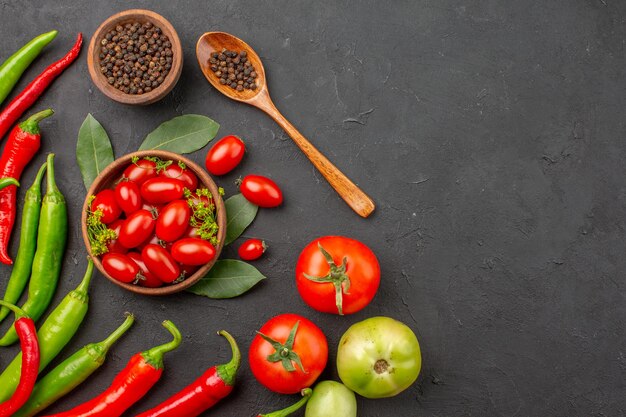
(113, 171)
(170, 80)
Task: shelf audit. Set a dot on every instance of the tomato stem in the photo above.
(337, 276)
(284, 352)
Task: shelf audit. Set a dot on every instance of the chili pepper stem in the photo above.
(50, 180)
(31, 125)
(18, 311)
(154, 356)
(228, 370)
(6, 181)
(84, 284)
(117, 333)
(306, 394)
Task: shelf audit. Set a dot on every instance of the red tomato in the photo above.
(161, 190)
(189, 270)
(160, 263)
(359, 275)
(127, 196)
(114, 245)
(105, 201)
(140, 171)
(225, 155)
(149, 280)
(120, 267)
(252, 249)
(173, 220)
(193, 251)
(309, 345)
(261, 191)
(183, 174)
(136, 228)
(191, 232)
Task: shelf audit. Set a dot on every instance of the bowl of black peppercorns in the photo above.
(135, 57)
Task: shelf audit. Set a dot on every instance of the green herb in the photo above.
(227, 279)
(182, 134)
(240, 213)
(203, 213)
(99, 234)
(93, 149)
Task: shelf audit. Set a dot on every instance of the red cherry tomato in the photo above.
(185, 175)
(120, 267)
(160, 263)
(188, 270)
(193, 251)
(105, 201)
(173, 220)
(309, 344)
(140, 171)
(261, 191)
(136, 228)
(190, 232)
(127, 197)
(161, 190)
(149, 280)
(225, 155)
(114, 246)
(352, 265)
(252, 249)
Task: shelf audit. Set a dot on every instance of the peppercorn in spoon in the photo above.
(253, 90)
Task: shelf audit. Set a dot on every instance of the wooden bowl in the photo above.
(131, 16)
(112, 173)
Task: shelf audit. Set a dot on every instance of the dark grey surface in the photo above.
(490, 135)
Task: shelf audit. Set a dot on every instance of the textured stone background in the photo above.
(490, 134)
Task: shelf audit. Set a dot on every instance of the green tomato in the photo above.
(331, 399)
(379, 357)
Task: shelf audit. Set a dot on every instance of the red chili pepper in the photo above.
(31, 93)
(23, 144)
(27, 333)
(133, 382)
(206, 391)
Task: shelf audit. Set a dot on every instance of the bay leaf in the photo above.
(182, 134)
(239, 214)
(227, 279)
(93, 149)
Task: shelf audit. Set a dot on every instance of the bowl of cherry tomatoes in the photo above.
(154, 222)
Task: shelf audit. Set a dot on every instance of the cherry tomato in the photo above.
(193, 251)
(337, 260)
(188, 270)
(160, 263)
(161, 190)
(252, 249)
(114, 246)
(127, 197)
(185, 175)
(173, 220)
(225, 155)
(261, 191)
(120, 267)
(149, 279)
(191, 232)
(140, 171)
(136, 228)
(286, 376)
(105, 201)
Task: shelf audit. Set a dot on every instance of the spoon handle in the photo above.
(360, 202)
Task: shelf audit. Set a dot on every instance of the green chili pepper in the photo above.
(58, 329)
(71, 373)
(6, 181)
(51, 239)
(13, 68)
(28, 238)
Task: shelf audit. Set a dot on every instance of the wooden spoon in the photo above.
(260, 98)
